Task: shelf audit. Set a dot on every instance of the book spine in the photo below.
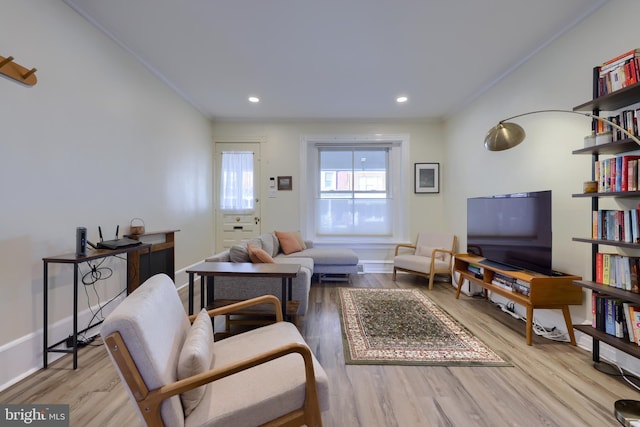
(610, 320)
(629, 320)
(595, 87)
(636, 323)
(600, 316)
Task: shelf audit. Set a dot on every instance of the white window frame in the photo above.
(399, 186)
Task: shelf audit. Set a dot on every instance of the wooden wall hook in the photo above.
(28, 73)
(17, 72)
(6, 61)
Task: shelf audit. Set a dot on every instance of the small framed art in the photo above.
(284, 183)
(427, 178)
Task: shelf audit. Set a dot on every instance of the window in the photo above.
(354, 196)
(352, 188)
(236, 181)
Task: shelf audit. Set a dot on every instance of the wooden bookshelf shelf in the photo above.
(609, 194)
(615, 147)
(619, 343)
(627, 245)
(612, 101)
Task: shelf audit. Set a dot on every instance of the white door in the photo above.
(241, 223)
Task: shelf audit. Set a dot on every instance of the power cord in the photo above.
(615, 370)
(549, 333)
(89, 279)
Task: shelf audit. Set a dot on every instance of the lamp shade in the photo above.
(507, 135)
(504, 136)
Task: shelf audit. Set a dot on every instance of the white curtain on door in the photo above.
(236, 181)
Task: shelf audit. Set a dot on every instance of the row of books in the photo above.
(616, 317)
(616, 225)
(511, 284)
(619, 271)
(617, 174)
(627, 119)
(619, 72)
(475, 269)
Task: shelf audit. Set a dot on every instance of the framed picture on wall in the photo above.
(285, 183)
(427, 177)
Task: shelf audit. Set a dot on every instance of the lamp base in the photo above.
(627, 412)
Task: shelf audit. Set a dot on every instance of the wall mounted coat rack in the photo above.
(17, 72)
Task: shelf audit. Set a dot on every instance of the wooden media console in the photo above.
(547, 292)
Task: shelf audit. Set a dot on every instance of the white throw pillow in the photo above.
(195, 357)
(428, 250)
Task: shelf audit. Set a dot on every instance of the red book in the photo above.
(613, 62)
(625, 172)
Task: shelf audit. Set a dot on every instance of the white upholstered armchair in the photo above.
(176, 375)
(432, 254)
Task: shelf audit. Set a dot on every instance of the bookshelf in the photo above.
(613, 101)
(545, 292)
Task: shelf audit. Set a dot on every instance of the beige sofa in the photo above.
(312, 260)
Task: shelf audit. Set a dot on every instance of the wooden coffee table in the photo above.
(239, 269)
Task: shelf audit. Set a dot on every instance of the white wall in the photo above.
(557, 77)
(281, 156)
(97, 141)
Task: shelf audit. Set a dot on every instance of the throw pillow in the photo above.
(428, 250)
(266, 243)
(258, 255)
(239, 253)
(195, 357)
(290, 241)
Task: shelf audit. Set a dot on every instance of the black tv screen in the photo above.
(512, 231)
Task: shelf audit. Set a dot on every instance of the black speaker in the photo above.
(81, 241)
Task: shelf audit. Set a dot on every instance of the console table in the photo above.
(245, 269)
(76, 260)
(550, 292)
(163, 260)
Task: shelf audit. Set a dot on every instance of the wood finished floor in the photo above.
(550, 384)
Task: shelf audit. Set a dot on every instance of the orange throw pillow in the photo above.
(290, 241)
(258, 255)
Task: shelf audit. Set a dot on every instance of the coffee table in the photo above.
(239, 269)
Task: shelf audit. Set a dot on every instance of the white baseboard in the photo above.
(375, 266)
(23, 356)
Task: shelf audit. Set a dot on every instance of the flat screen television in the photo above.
(512, 231)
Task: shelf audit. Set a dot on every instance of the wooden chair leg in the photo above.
(431, 276)
(393, 276)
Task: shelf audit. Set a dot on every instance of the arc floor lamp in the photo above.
(507, 134)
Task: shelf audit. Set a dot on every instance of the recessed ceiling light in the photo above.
(254, 99)
(402, 99)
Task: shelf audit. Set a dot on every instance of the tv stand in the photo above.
(499, 265)
(548, 292)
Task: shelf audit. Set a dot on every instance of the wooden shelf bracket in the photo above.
(17, 72)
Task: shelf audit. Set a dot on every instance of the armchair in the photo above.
(432, 254)
(176, 375)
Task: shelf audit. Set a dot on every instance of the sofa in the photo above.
(312, 260)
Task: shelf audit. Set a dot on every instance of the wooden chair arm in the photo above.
(444, 251)
(155, 397)
(404, 245)
(264, 299)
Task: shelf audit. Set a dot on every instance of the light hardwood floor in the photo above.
(550, 384)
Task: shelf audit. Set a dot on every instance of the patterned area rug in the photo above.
(404, 327)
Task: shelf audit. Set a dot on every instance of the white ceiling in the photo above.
(332, 59)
